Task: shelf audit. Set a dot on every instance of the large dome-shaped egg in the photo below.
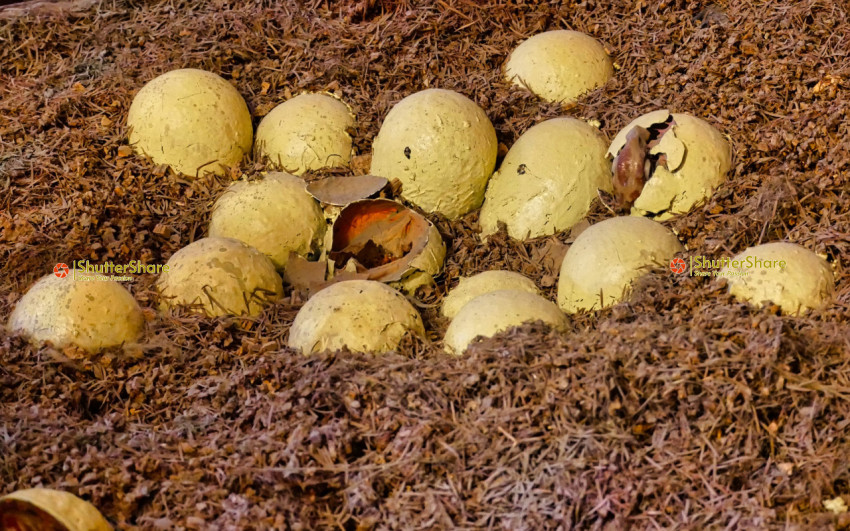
(547, 180)
(191, 120)
(441, 146)
(559, 65)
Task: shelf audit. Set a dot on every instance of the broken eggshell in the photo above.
(560, 65)
(389, 242)
(223, 276)
(607, 257)
(797, 279)
(692, 157)
(191, 120)
(307, 132)
(360, 315)
(441, 146)
(497, 311)
(547, 180)
(334, 193)
(275, 215)
(41, 509)
(342, 191)
(91, 314)
(470, 287)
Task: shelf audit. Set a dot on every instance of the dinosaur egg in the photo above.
(441, 146)
(470, 287)
(78, 309)
(221, 276)
(607, 257)
(559, 65)
(386, 241)
(49, 510)
(275, 214)
(307, 132)
(547, 180)
(360, 315)
(785, 273)
(693, 160)
(497, 311)
(191, 120)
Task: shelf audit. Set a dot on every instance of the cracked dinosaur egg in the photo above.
(497, 311)
(360, 315)
(560, 65)
(78, 310)
(380, 239)
(666, 163)
(219, 276)
(307, 132)
(787, 274)
(42, 509)
(275, 214)
(191, 120)
(547, 180)
(607, 257)
(470, 287)
(441, 146)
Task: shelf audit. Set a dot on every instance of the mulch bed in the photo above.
(679, 408)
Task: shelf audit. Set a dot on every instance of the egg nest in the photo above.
(678, 407)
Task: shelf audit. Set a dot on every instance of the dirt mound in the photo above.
(679, 408)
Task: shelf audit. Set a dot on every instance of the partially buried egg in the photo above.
(559, 65)
(784, 273)
(607, 257)
(219, 276)
(360, 315)
(191, 120)
(547, 180)
(307, 132)
(78, 309)
(40, 509)
(470, 287)
(497, 311)
(681, 159)
(274, 214)
(441, 146)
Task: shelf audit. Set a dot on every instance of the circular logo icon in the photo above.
(61, 270)
(677, 265)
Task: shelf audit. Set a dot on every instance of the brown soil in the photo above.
(680, 408)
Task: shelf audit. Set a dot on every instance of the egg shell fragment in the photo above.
(65, 509)
(470, 287)
(391, 226)
(698, 160)
(560, 65)
(607, 257)
(361, 315)
(307, 132)
(441, 146)
(91, 314)
(805, 283)
(547, 180)
(427, 265)
(497, 311)
(274, 214)
(191, 120)
(223, 275)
